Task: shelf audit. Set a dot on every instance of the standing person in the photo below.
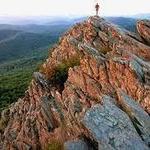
(97, 8)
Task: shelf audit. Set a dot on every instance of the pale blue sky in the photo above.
(72, 7)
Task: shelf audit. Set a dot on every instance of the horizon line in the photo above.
(72, 16)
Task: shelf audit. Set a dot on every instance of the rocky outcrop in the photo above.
(143, 27)
(93, 91)
(112, 127)
(138, 116)
(76, 145)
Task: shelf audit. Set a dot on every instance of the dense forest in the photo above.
(15, 77)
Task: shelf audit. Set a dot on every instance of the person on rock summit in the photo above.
(97, 8)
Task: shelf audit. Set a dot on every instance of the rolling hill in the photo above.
(26, 41)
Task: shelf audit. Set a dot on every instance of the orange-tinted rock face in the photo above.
(112, 62)
(144, 30)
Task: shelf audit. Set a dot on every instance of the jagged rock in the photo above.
(142, 68)
(4, 119)
(138, 69)
(46, 112)
(110, 59)
(143, 27)
(139, 117)
(76, 145)
(108, 124)
(41, 79)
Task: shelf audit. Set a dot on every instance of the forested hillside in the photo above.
(21, 53)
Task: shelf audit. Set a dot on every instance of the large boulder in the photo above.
(139, 117)
(76, 145)
(112, 127)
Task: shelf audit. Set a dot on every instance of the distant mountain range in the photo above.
(123, 22)
(54, 20)
(142, 16)
(39, 20)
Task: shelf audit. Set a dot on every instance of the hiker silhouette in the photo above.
(97, 8)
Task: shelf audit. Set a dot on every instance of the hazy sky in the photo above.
(72, 7)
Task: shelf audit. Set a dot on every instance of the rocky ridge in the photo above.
(93, 92)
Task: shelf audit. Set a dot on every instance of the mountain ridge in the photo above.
(92, 92)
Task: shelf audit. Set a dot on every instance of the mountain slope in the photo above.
(22, 49)
(23, 44)
(26, 41)
(92, 92)
(126, 23)
(5, 34)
